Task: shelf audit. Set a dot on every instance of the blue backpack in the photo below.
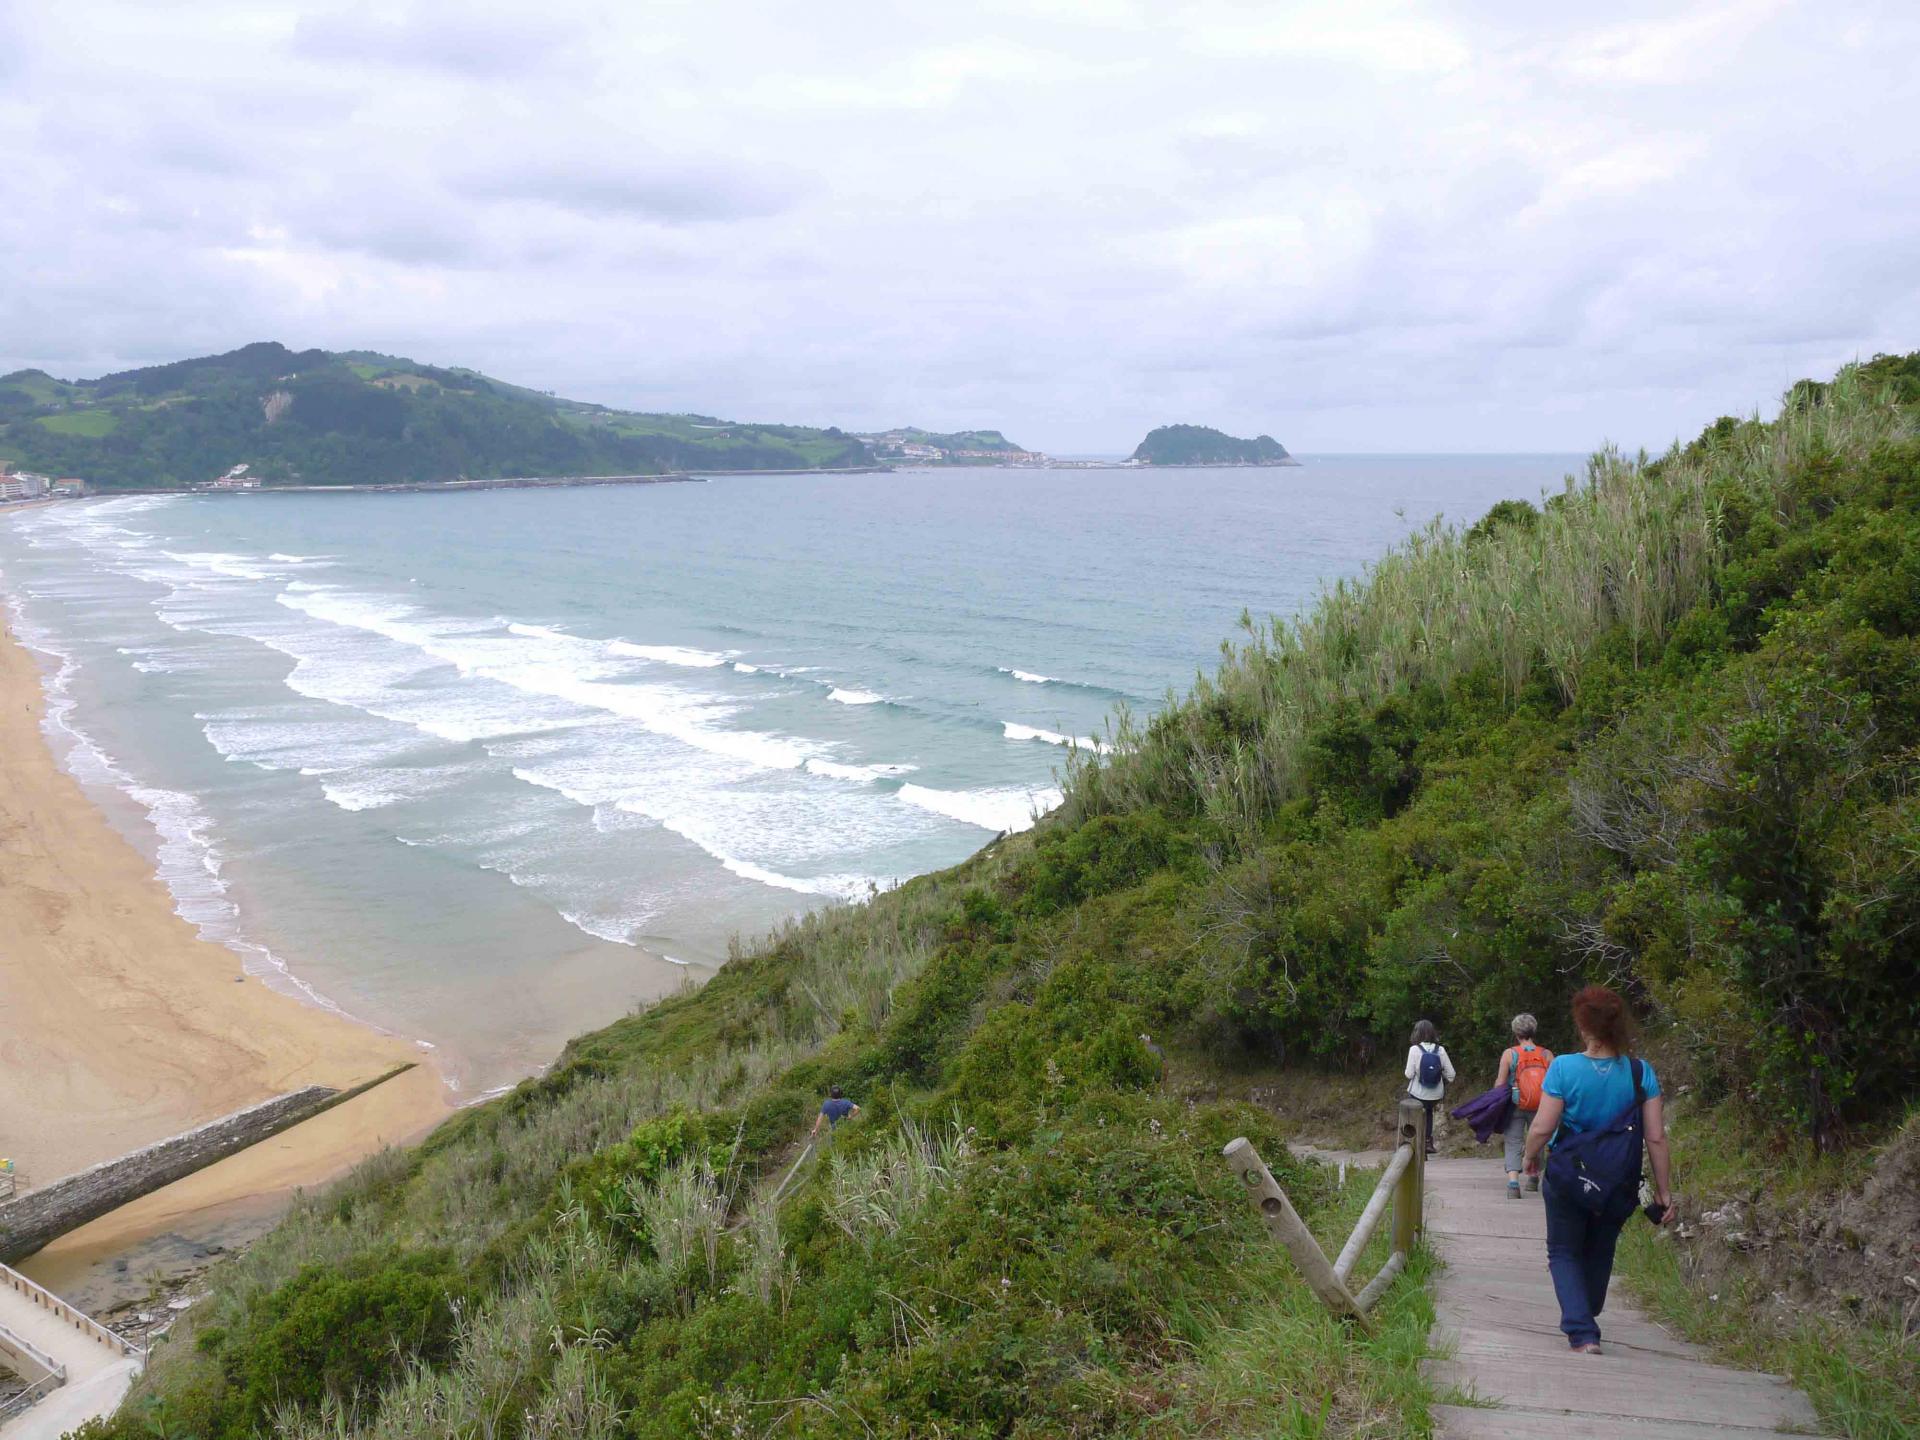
(1599, 1170)
(1430, 1071)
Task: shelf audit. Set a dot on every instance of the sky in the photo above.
(1357, 226)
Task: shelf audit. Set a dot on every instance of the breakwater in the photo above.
(37, 1217)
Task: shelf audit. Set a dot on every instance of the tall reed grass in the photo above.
(873, 1194)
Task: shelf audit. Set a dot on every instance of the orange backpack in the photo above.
(1529, 1073)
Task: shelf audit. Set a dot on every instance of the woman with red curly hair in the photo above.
(1596, 1091)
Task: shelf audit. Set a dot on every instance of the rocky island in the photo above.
(1203, 445)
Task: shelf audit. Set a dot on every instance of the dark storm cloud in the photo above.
(1365, 224)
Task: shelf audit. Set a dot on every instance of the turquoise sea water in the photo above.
(488, 769)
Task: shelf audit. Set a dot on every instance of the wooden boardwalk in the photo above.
(1497, 1340)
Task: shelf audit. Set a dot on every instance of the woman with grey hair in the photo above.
(1523, 1068)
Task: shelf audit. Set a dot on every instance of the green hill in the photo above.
(1200, 445)
(320, 417)
(1660, 732)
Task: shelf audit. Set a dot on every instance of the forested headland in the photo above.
(1659, 731)
(320, 417)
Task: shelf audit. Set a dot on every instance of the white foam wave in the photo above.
(1027, 675)
(832, 887)
(237, 567)
(566, 668)
(669, 654)
(375, 789)
(996, 809)
(297, 559)
(834, 770)
(744, 669)
(1053, 737)
(854, 697)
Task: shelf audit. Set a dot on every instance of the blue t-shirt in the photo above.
(836, 1110)
(1595, 1090)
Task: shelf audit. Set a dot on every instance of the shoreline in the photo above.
(455, 487)
(120, 1025)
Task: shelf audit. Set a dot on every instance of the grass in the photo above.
(1284, 1368)
(1861, 1373)
(91, 424)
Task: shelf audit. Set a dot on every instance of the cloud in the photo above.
(1372, 224)
(667, 192)
(459, 38)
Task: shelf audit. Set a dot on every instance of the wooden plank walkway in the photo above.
(1497, 1340)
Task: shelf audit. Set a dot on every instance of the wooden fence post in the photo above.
(1285, 1225)
(1409, 1201)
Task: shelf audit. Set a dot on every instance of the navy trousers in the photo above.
(1580, 1259)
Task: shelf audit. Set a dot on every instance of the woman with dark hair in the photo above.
(1429, 1071)
(1585, 1094)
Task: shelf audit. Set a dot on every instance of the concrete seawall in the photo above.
(31, 1220)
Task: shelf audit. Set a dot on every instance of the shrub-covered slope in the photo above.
(340, 419)
(1660, 732)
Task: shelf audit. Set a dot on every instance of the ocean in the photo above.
(490, 769)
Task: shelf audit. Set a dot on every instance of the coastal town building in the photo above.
(237, 478)
(22, 485)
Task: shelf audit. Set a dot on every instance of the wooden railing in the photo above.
(1402, 1185)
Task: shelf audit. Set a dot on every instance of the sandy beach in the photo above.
(119, 1026)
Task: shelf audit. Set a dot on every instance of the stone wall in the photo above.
(30, 1220)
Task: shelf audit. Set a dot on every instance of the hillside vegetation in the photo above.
(1202, 445)
(328, 418)
(1660, 732)
(958, 447)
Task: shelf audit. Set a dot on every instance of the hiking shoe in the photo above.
(1513, 1189)
(1586, 1349)
(1533, 1184)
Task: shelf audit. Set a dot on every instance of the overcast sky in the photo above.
(1355, 226)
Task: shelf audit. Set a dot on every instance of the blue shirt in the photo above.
(836, 1110)
(1595, 1091)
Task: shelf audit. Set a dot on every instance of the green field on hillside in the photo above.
(90, 423)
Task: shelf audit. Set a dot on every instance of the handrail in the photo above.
(11, 1342)
(1376, 1207)
(91, 1328)
(1403, 1181)
(32, 1395)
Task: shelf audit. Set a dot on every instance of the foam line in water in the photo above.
(834, 770)
(854, 697)
(1029, 676)
(832, 887)
(1053, 737)
(670, 654)
(565, 667)
(993, 809)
